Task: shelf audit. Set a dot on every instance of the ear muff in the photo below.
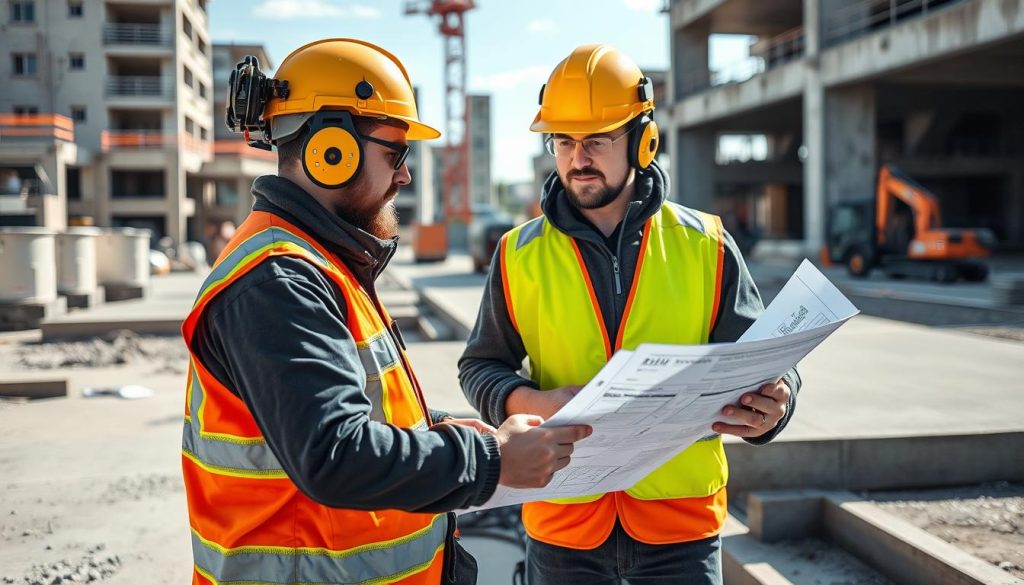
(643, 142)
(332, 154)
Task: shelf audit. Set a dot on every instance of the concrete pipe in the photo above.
(76, 260)
(28, 263)
(123, 257)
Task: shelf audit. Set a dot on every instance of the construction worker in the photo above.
(612, 264)
(309, 454)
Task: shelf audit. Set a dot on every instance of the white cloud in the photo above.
(505, 80)
(645, 5)
(308, 9)
(541, 25)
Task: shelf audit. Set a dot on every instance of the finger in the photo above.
(760, 403)
(574, 390)
(744, 416)
(571, 434)
(778, 391)
(559, 464)
(562, 451)
(738, 430)
(530, 419)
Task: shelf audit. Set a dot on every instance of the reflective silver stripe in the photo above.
(227, 455)
(254, 243)
(378, 562)
(379, 354)
(687, 217)
(530, 231)
(375, 392)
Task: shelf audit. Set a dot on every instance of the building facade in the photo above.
(832, 90)
(135, 80)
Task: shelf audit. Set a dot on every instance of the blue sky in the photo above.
(512, 46)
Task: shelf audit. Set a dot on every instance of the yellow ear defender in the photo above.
(332, 154)
(643, 143)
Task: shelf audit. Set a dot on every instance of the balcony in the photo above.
(138, 86)
(854, 19)
(241, 149)
(765, 54)
(36, 128)
(152, 140)
(137, 35)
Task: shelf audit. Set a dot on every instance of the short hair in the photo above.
(290, 152)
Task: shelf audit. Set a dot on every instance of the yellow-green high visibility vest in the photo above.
(673, 299)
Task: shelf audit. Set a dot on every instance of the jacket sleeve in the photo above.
(739, 306)
(283, 345)
(494, 353)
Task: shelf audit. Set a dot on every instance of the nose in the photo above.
(580, 157)
(402, 175)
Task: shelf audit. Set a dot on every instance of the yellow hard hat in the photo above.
(595, 89)
(351, 75)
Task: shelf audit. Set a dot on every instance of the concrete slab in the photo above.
(50, 388)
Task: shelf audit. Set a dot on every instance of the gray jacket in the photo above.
(495, 352)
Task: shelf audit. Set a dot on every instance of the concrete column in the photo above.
(814, 133)
(104, 192)
(850, 159)
(694, 165)
(174, 222)
(690, 60)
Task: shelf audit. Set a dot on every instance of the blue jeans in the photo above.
(621, 557)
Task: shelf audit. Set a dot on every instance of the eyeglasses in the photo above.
(596, 146)
(401, 149)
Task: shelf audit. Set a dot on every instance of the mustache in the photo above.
(584, 172)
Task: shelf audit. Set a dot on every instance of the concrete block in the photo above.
(30, 315)
(787, 514)
(900, 550)
(34, 389)
(118, 292)
(86, 300)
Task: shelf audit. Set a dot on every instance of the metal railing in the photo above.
(765, 54)
(851, 19)
(137, 85)
(36, 127)
(122, 33)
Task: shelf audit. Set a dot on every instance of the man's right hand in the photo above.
(531, 455)
(544, 403)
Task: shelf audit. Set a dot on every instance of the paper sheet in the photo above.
(648, 405)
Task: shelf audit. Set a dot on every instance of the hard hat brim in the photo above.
(418, 130)
(575, 127)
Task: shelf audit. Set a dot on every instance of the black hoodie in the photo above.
(278, 338)
(495, 352)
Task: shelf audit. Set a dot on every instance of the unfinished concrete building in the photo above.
(832, 90)
(107, 109)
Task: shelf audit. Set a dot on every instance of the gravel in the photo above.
(94, 566)
(985, 520)
(167, 354)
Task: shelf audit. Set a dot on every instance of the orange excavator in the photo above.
(900, 231)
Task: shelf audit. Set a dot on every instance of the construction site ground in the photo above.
(92, 489)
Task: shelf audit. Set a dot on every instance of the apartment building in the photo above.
(118, 97)
(833, 89)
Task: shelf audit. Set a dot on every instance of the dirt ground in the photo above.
(815, 562)
(986, 520)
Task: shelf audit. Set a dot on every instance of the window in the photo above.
(190, 126)
(78, 113)
(26, 110)
(225, 194)
(75, 9)
(23, 11)
(204, 134)
(202, 5)
(202, 45)
(202, 89)
(24, 63)
(189, 81)
(186, 26)
(76, 61)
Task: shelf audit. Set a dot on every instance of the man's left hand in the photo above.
(473, 423)
(757, 413)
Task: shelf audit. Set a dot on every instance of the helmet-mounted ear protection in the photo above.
(249, 89)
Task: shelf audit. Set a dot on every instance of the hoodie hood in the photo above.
(650, 192)
(364, 254)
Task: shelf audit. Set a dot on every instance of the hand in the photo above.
(543, 403)
(760, 412)
(531, 455)
(473, 423)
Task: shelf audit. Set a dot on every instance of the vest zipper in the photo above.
(618, 277)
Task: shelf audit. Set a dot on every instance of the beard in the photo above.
(380, 221)
(591, 195)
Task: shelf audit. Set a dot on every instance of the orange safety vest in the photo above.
(250, 523)
(673, 299)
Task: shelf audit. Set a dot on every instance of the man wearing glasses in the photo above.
(611, 264)
(309, 454)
